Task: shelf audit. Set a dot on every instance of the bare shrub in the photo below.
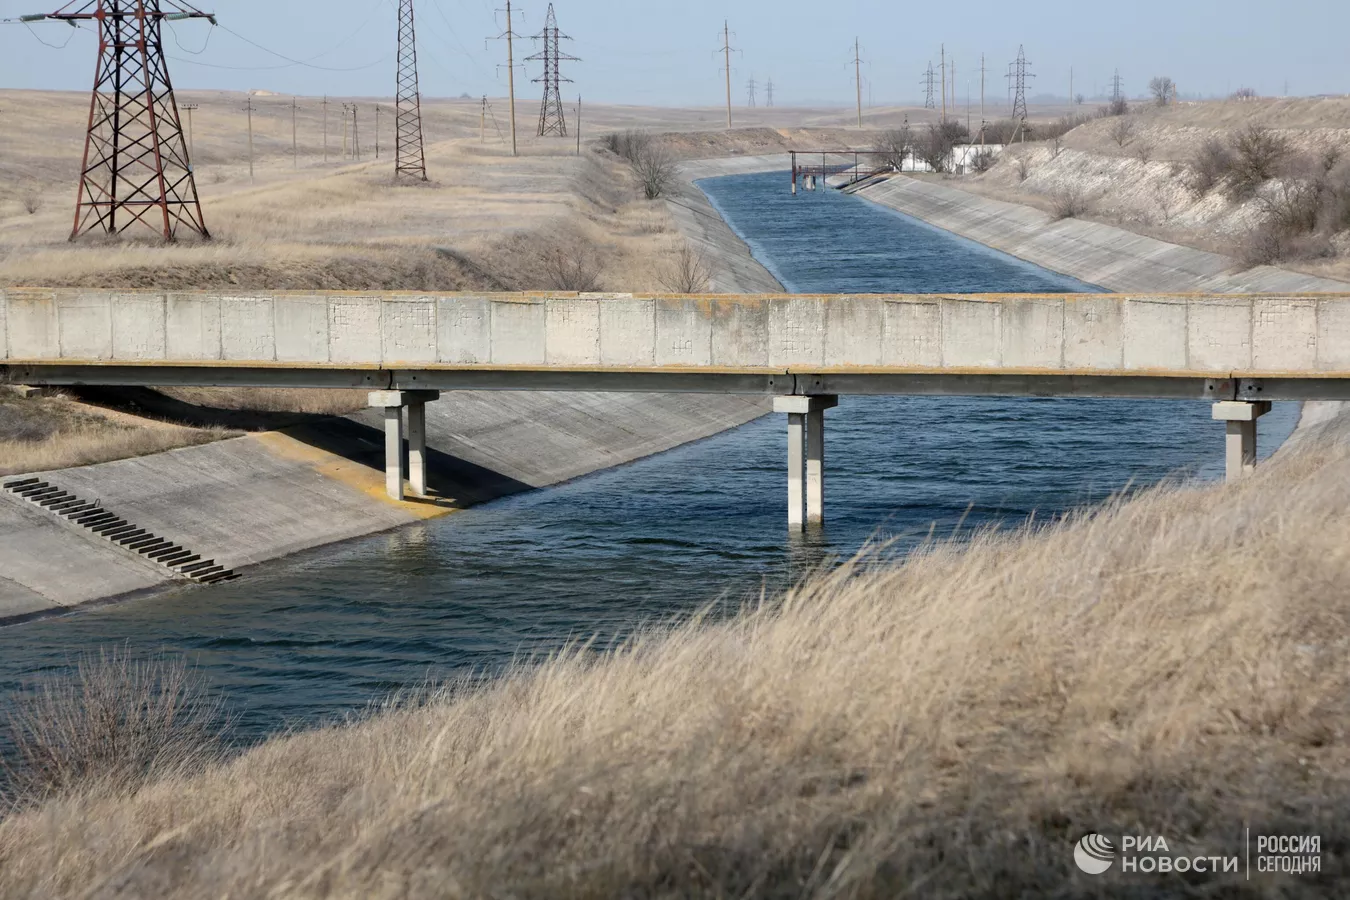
(1209, 166)
(894, 146)
(1052, 131)
(573, 266)
(1055, 146)
(32, 201)
(110, 726)
(1000, 132)
(1069, 203)
(1162, 89)
(688, 273)
(1122, 130)
(1143, 151)
(1244, 93)
(1257, 156)
(655, 169)
(1117, 107)
(1023, 166)
(628, 145)
(983, 160)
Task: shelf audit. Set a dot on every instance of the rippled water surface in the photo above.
(323, 633)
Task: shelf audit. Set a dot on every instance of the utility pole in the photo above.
(578, 124)
(726, 51)
(551, 118)
(377, 131)
(356, 135)
(857, 75)
(188, 108)
(346, 109)
(137, 166)
(482, 122)
(510, 37)
(1072, 105)
(325, 129)
(982, 122)
(249, 107)
(409, 154)
(942, 69)
(295, 141)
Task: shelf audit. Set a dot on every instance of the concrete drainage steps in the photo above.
(91, 515)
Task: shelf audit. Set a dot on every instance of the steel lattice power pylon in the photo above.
(551, 118)
(1018, 75)
(409, 157)
(136, 167)
(929, 79)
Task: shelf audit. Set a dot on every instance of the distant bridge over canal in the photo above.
(1240, 352)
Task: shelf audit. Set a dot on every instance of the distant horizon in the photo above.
(651, 58)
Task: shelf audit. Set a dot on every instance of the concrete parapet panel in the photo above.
(85, 323)
(1033, 332)
(683, 332)
(627, 332)
(796, 331)
(1219, 334)
(408, 330)
(1154, 333)
(464, 330)
(740, 331)
(354, 330)
(572, 332)
(853, 330)
(1333, 335)
(518, 332)
(302, 328)
(138, 328)
(972, 333)
(911, 333)
(192, 327)
(247, 330)
(32, 326)
(1284, 334)
(1092, 333)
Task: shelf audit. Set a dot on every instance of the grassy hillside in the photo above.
(946, 726)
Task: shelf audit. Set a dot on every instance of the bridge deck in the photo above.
(1219, 346)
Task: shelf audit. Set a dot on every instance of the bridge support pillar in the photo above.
(393, 403)
(1240, 443)
(806, 457)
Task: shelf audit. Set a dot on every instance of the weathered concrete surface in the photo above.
(734, 270)
(260, 497)
(1111, 258)
(1186, 334)
(46, 565)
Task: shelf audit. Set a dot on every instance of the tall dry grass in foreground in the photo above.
(946, 726)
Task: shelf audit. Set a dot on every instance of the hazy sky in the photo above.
(664, 52)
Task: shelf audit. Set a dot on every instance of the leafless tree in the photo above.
(935, 145)
(982, 160)
(572, 266)
(1258, 155)
(1122, 130)
(895, 146)
(1023, 165)
(1143, 151)
(1244, 93)
(688, 273)
(1163, 90)
(655, 169)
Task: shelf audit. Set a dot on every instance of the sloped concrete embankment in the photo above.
(260, 497)
(734, 269)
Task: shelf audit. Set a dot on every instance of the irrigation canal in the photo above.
(318, 635)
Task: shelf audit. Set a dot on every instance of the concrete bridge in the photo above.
(1240, 352)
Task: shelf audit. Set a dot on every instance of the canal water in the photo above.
(318, 635)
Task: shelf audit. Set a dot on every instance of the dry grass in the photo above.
(42, 434)
(944, 727)
(324, 402)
